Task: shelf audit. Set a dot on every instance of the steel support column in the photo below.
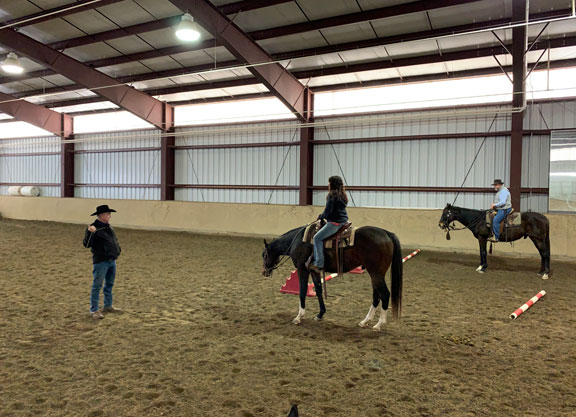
(167, 156)
(519, 45)
(67, 158)
(307, 152)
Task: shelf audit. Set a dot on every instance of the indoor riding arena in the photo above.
(287, 208)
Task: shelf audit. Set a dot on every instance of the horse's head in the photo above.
(448, 217)
(269, 260)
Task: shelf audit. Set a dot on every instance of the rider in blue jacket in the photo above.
(335, 216)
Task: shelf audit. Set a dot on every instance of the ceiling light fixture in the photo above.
(187, 30)
(12, 64)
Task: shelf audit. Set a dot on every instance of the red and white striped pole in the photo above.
(528, 304)
(413, 254)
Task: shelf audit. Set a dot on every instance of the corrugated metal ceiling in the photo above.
(131, 12)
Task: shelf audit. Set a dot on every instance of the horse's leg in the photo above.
(547, 256)
(541, 252)
(318, 288)
(482, 240)
(544, 256)
(303, 281)
(379, 284)
(372, 311)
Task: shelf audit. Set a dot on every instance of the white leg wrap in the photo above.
(479, 269)
(545, 276)
(368, 317)
(382, 320)
(298, 318)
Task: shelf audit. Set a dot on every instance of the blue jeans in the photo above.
(328, 230)
(104, 273)
(501, 215)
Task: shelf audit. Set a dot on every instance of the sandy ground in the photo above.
(204, 334)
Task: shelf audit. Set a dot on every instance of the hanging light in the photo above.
(12, 64)
(187, 30)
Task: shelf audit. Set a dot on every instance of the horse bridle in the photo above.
(281, 261)
(448, 227)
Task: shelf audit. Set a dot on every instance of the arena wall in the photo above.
(411, 155)
(415, 228)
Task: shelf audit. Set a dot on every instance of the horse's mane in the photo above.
(283, 243)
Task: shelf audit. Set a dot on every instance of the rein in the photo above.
(469, 226)
(286, 256)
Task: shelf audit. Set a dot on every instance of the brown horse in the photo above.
(376, 249)
(534, 225)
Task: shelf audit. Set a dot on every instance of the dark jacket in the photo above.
(103, 242)
(335, 211)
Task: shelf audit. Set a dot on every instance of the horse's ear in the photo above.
(265, 243)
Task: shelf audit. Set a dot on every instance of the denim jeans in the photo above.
(328, 230)
(501, 215)
(104, 273)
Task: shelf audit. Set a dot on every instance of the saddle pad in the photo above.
(344, 243)
(515, 216)
(516, 219)
(310, 230)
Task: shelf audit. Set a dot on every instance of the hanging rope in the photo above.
(475, 157)
(194, 170)
(283, 163)
(340, 166)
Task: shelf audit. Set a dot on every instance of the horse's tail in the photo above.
(397, 272)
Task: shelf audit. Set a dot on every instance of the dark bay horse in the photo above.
(534, 225)
(375, 249)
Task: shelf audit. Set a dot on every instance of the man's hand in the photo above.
(91, 229)
(492, 206)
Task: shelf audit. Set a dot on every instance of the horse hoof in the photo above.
(318, 318)
(362, 324)
(480, 269)
(545, 276)
(377, 328)
(296, 321)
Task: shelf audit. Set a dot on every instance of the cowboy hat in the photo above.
(498, 182)
(103, 209)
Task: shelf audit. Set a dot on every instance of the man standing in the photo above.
(502, 204)
(102, 240)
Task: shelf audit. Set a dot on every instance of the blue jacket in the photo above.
(335, 211)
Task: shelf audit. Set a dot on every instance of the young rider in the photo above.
(334, 214)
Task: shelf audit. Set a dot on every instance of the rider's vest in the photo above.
(508, 203)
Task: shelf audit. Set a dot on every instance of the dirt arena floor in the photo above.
(204, 334)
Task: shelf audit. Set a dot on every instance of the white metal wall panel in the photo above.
(285, 131)
(536, 161)
(239, 166)
(423, 163)
(118, 193)
(31, 169)
(288, 197)
(404, 199)
(413, 123)
(142, 167)
(553, 115)
(534, 202)
(148, 138)
(535, 171)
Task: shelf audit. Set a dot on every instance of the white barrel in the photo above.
(30, 191)
(14, 190)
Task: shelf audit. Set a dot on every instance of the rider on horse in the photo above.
(335, 216)
(502, 204)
